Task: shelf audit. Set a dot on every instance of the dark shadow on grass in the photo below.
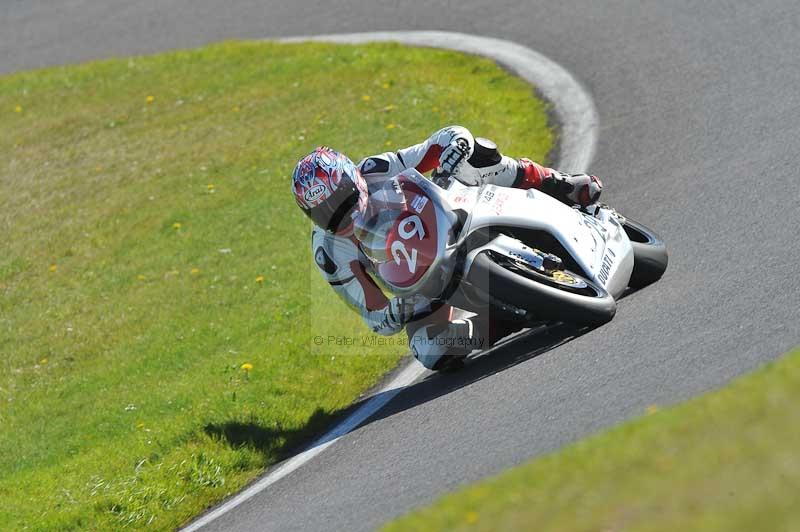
(278, 444)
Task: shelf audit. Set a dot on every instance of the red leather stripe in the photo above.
(430, 160)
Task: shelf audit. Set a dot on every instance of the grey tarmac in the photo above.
(699, 128)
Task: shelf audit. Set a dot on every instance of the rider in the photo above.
(332, 191)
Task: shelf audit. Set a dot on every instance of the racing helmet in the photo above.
(329, 188)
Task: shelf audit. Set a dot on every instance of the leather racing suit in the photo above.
(344, 266)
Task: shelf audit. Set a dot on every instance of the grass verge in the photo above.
(727, 460)
(158, 299)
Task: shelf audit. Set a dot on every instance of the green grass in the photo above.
(150, 248)
(726, 461)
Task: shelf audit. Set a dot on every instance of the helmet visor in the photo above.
(334, 213)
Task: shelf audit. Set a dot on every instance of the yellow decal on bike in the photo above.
(563, 277)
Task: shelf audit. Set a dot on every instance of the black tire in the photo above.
(535, 292)
(649, 254)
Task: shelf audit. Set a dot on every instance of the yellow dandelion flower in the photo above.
(388, 108)
(235, 109)
(18, 109)
(260, 279)
(390, 126)
(140, 277)
(210, 186)
(176, 225)
(388, 143)
(385, 85)
(43, 361)
(652, 409)
(53, 267)
(194, 271)
(472, 517)
(435, 109)
(150, 99)
(366, 98)
(247, 366)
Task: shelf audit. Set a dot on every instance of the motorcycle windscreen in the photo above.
(398, 233)
(372, 227)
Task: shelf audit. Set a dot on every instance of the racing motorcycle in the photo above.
(521, 252)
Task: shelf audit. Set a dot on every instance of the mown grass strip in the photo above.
(158, 301)
(727, 460)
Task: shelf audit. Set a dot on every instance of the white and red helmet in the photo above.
(329, 188)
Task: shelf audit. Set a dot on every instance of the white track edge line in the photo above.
(572, 104)
(406, 377)
(578, 119)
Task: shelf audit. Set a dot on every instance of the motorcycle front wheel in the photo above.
(560, 295)
(650, 257)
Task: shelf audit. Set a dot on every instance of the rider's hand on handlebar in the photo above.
(453, 154)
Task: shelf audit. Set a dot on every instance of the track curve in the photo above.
(699, 118)
(578, 130)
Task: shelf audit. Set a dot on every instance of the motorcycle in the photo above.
(521, 252)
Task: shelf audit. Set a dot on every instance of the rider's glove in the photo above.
(452, 155)
(579, 189)
(400, 311)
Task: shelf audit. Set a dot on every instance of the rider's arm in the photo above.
(337, 259)
(522, 173)
(423, 157)
(501, 170)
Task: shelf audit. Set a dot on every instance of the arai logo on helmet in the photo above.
(314, 193)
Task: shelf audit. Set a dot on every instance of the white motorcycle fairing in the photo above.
(522, 252)
(599, 245)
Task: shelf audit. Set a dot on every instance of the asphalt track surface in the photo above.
(699, 138)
